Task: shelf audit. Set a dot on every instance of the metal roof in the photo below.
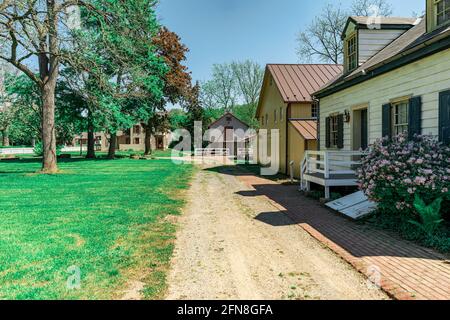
(307, 128)
(227, 114)
(297, 82)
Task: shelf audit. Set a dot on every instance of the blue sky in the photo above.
(218, 31)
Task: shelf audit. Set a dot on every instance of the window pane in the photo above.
(351, 53)
(443, 12)
(334, 131)
(400, 123)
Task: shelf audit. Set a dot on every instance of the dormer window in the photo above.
(352, 53)
(442, 11)
(361, 41)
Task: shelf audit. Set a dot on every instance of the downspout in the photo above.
(288, 112)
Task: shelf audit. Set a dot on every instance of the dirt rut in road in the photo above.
(224, 250)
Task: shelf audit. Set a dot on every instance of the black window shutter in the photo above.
(327, 132)
(444, 117)
(340, 138)
(414, 117)
(387, 121)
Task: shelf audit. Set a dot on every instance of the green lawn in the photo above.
(110, 219)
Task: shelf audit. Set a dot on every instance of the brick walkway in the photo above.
(405, 270)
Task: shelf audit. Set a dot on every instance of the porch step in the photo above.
(355, 206)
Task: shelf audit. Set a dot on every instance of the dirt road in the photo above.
(230, 246)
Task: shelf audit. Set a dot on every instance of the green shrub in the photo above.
(397, 170)
(430, 215)
(39, 149)
(402, 225)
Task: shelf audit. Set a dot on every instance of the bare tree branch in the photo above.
(249, 77)
(322, 38)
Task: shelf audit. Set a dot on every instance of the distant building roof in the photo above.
(389, 23)
(307, 128)
(383, 20)
(414, 44)
(228, 114)
(297, 82)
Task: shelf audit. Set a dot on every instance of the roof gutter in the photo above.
(423, 50)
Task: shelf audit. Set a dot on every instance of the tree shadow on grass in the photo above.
(36, 160)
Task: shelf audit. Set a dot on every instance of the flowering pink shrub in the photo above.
(396, 170)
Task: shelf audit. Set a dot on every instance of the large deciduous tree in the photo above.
(176, 84)
(22, 95)
(249, 77)
(122, 68)
(235, 88)
(367, 8)
(193, 106)
(33, 31)
(321, 40)
(221, 90)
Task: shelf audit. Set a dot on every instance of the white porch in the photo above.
(329, 169)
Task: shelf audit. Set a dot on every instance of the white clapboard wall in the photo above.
(355, 206)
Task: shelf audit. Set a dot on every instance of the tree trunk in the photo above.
(91, 142)
(49, 161)
(112, 146)
(148, 140)
(5, 138)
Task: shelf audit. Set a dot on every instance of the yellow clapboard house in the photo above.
(286, 104)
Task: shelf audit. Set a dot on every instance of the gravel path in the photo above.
(224, 252)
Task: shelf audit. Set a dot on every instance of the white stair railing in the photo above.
(328, 164)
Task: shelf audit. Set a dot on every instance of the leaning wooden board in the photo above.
(355, 206)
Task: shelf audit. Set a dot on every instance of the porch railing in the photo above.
(329, 164)
(199, 152)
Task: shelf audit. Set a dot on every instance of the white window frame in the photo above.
(334, 131)
(352, 55)
(446, 9)
(400, 122)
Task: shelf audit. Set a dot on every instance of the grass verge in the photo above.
(111, 220)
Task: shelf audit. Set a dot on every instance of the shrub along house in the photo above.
(286, 104)
(396, 79)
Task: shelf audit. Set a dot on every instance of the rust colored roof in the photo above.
(307, 128)
(297, 82)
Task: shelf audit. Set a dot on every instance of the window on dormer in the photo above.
(352, 54)
(442, 12)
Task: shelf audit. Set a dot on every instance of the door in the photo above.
(444, 117)
(160, 143)
(228, 139)
(364, 130)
